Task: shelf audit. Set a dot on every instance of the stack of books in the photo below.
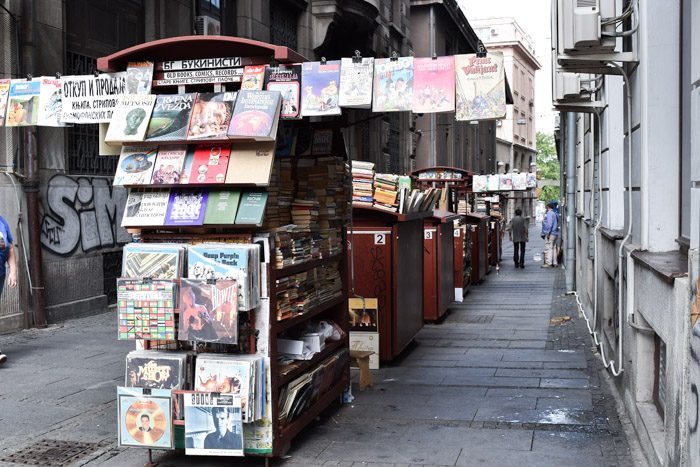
(331, 242)
(386, 187)
(362, 180)
(329, 284)
(283, 247)
(462, 207)
(305, 214)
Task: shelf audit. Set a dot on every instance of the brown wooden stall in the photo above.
(438, 264)
(479, 226)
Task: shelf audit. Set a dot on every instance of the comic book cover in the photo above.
(493, 182)
(520, 181)
(146, 309)
(23, 103)
(356, 83)
(481, 91)
(156, 370)
(186, 207)
(531, 180)
(286, 79)
(139, 77)
(135, 165)
(211, 115)
(50, 103)
(393, 84)
(320, 93)
(433, 85)
(145, 418)
(253, 77)
(208, 311)
(505, 182)
(213, 425)
(152, 260)
(171, 117)
(479, 183)
(4, 93)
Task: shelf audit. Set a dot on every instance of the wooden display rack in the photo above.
(252, 53)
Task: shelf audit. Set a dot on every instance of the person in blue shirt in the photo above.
(550, 233)
(7, 256)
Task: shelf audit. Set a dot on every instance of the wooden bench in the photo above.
(360, 359)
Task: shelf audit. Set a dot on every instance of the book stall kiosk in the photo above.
(386, 252)
(479, 229)
(438, 263)
(462, 259)
(271, 435)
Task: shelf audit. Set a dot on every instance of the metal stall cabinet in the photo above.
(438, 264)
(479, 224)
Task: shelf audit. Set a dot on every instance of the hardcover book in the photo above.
(50, 103)
(251, 163)
(135, 166)
(255, 116)
(213, 425)
(252, 207)
(139, 77)
(130, 118)
(211, 115)
(145, 207)
(208, 311)
(320, 95)
(481, 91)
(286, 79)
(171, 117)
(434, 85)
(153, 260)
(186, 207)
(4, 93)
(146, 309)
(253, 77)
(156, 370)
(23, 103)
(145, 418)
(222, 206)
(169, 164)
(209, 164)
(356, 83)
(393, 84)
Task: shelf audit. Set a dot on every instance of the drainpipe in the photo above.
(30, 185)
(569, 258)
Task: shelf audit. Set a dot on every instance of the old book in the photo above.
(170, 117)
(146, 309)
(186, 207)
(222, 206)
(170, 162)
(209, 164)
(255, 116)
(393, 84)
(139, 77)
(481, 91)
(433, 85)
(4, 93)
(251, 163)
(211, 115)
(208, 311)
(135, 166)
(286, 79)
(23, 103)
(145, 207)
(50, 103)
(253, 77)
(251, 208)
(320, 93)
(130, 118)
(201, 434)
(356, 83)
(145, 418)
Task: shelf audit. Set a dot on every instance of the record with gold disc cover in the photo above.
(145, 418)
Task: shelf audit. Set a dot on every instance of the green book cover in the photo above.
(222, 207)
(404, 182)
(251, 207)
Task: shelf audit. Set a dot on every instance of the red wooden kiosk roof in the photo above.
(195, 47)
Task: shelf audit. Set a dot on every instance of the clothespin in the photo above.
(357, 58)
(211, 280)
(58, 75)
(480, 49)
(147, 280)
(96, 73)
(434, 56)
(29, 77)
(323, 60)
(146, 391)
(394, 56)
(273, 63)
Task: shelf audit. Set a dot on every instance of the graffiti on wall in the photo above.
(82, 214)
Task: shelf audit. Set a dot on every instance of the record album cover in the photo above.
(213, 425)
(152, 260)
(155, 370)
(230, 374)
(145, 418)
(146, 309)
(393, 84)
(209, 311)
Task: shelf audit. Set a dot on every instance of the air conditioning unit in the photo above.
(207, 26)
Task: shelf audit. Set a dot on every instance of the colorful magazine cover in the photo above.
(169, 164)
(145, 207)
(393, 84)
(4, 93)
(50, 103)
(433, 85)
(135, 165)
(145, 418)
(23, 103)
(286, 79)
(210, 164)
(171, 117)
(208, 311)
(356, 83)
(139, 77)
(146, 309)
(253, 77)
(481, 91)
(320, 94)
(213, 425)
(211, 115)
(186, 207)
(130, 118)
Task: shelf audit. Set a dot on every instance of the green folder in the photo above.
(251, 207)
(222, 207)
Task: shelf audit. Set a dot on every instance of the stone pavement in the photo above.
(508, 378)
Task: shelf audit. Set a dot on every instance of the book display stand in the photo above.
(438, 263)
(290, 392)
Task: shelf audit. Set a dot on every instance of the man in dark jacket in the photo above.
(518, 234)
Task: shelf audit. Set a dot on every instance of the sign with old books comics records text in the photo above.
(170, 117)
(479, 183)
(286, 79)
(434, 84)
(320, 93)
(393, 84)
(135, 165)
(255, 116)
(145, 418)
(50, 103)
(213, 425)
(156, 370)
(139, 76)
(4, 93)
(253, 77)
(481, 89)
(153, 260)
(222, 206)
(251, 163)
(146, 309)
(91, 99)
(145, 207)
(211, 115)
(23, 103)
(169, 164)
(209, 164)
(363, 314)
(520, 181)
(208, 311)
(186, 207)
(130, 118)
(356, 83)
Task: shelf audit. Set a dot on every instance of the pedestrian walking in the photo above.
(7, 256)
(550, 234)
(518, 234)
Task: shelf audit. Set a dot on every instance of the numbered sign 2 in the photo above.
(380, 239)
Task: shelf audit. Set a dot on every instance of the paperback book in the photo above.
(286, 79)
(23, 103)
(145, 418)
(251, 208)
(320, 96)
(208, 311)
(481, 92)
(186, 207)
(169, 165)
(139, 77)
(135, 166)
(434, 85)
(251, 163)
(145, 207)
(356, 83)
(153, 260)
(209, 164)
(50, 103)
(146, 309)
(4, 94)
(222, 206)
(253, 77)
(213, 425)
(211, 115)
(255, 116)
(130, 118)
(393, 84)
(170, 118)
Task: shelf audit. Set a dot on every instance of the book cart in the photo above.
(438, 263)
(386, 253)
(262, 328)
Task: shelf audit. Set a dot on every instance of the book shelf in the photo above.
(263, 320)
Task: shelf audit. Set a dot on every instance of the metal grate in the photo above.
(53, 452)
(283, 25)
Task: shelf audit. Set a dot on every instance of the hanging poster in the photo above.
(481, 90)
(434, 85)
(393, 84)
(520, 181)
(91, 99)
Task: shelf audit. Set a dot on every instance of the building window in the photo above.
(283, 24)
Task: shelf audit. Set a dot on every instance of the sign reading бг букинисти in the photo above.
(196, 64)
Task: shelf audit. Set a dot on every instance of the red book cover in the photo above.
(209, 164)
